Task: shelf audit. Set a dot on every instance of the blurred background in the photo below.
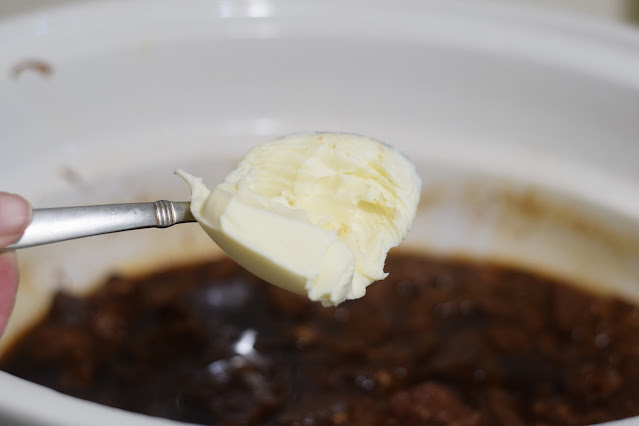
(621, 10)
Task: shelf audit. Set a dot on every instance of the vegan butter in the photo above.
(315, 214)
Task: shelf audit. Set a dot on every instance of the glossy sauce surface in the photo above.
(438, 342)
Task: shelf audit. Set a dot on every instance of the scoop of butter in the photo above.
(315, 214)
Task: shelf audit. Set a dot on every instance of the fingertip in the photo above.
(15, 214)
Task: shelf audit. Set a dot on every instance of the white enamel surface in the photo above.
(492, 103)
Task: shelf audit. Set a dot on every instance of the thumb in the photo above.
(15, 215)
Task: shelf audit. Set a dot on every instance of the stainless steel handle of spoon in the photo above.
(66, 223)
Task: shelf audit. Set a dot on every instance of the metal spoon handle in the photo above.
(66, 223)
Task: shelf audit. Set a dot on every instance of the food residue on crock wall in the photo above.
(38, 66)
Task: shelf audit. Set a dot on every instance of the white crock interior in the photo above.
(523, 126)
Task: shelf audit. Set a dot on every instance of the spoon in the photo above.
(67, 223)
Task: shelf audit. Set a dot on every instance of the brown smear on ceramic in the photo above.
(604, 237)
(553, 233)
(37, 66)
(73, 177)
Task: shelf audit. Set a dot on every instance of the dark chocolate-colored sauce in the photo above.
(438, 342)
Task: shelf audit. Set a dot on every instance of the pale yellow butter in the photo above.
(315, 214)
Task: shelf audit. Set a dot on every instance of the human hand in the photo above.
(15, 215)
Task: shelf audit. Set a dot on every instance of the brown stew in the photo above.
(438, 342)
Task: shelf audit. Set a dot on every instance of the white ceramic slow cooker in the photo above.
(524, 126)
